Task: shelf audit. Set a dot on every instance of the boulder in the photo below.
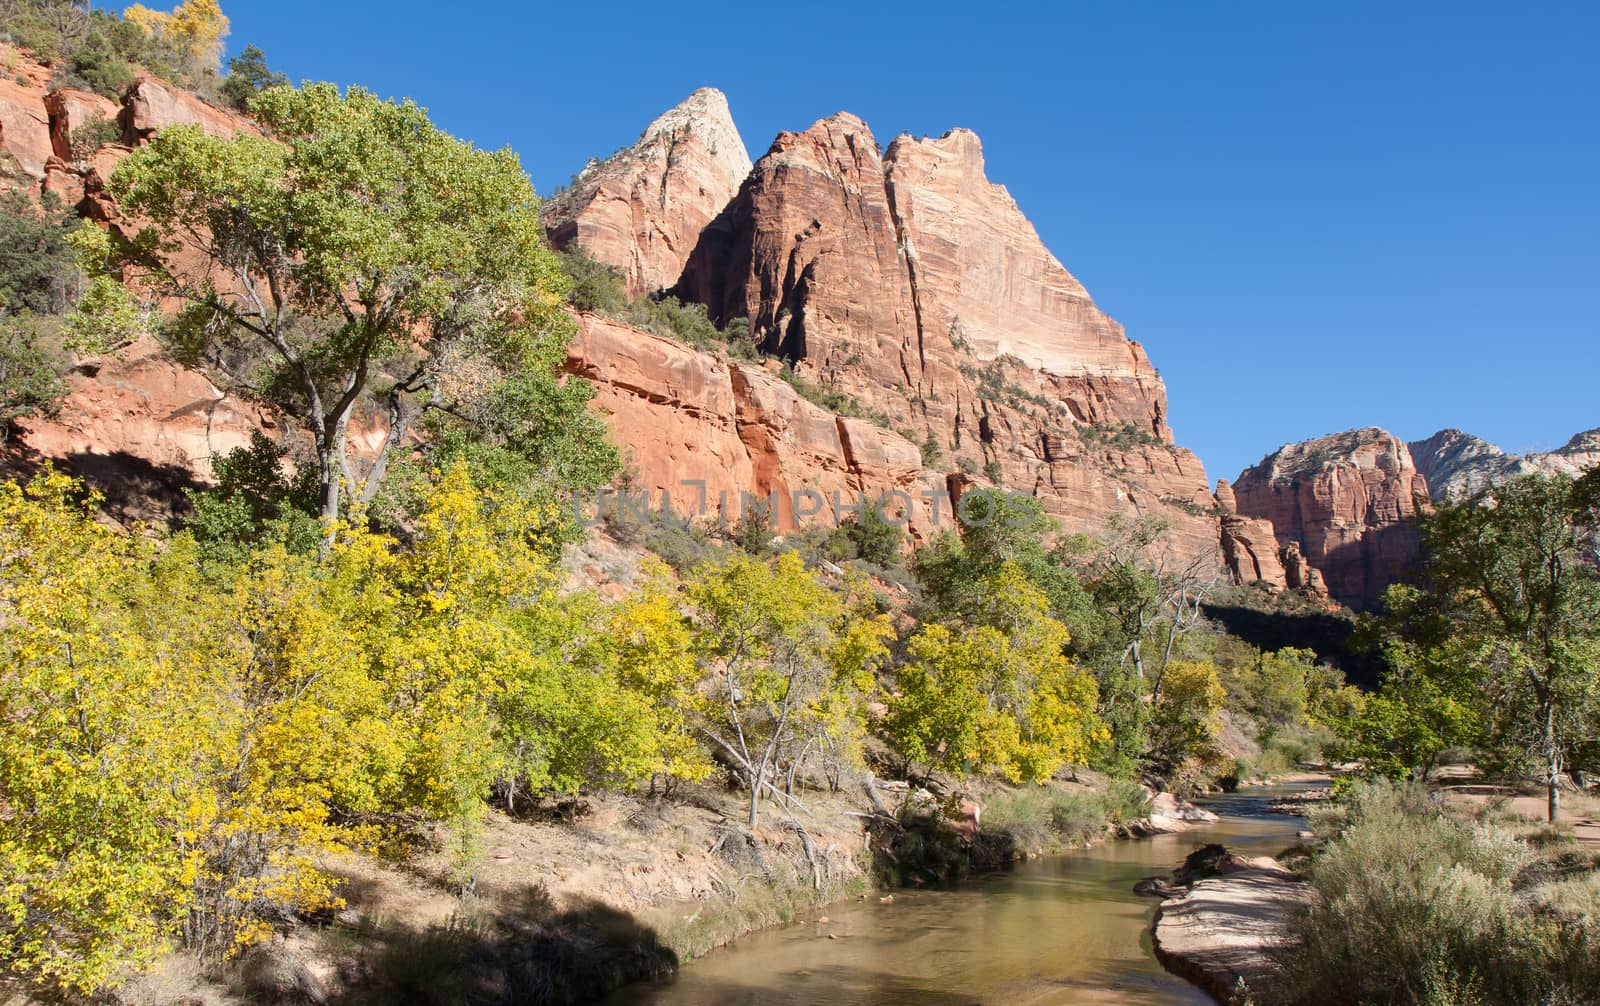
(153, 105)
(1221, 932)
(24, 134)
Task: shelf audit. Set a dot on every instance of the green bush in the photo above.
(1415, 906)
(38, 272)
(593, 285)
(33, 33)
(97, 66)
(1126, 801)
(872, 536)
(678, 543)
(1040, 817)
(95, 133)
(30, 384)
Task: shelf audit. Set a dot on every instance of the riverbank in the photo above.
(1411, 895)
(585, 896)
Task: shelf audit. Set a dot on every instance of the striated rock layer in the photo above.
(1457, 464)
(643, 209)
(1345, 503)
(704, 431)
(914, 286)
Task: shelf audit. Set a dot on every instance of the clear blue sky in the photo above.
(1315, 217)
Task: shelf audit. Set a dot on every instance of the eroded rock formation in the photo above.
(1347, 502)
(705, 431)
(913, 285)
(643, 210)
(44, 146)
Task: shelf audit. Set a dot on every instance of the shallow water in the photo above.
(1065, 929)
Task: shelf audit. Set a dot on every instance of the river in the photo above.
(1060, 930)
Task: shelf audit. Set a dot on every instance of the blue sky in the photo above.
(1315, 217)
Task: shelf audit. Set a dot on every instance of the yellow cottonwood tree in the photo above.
(996, 692)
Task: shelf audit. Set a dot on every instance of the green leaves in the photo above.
(358, 254)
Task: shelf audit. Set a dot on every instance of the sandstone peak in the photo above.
(1346, 501)
(1369, 446)
(644, 208)
(706, 114)
(1459, 464)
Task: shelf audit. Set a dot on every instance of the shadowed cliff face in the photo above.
(643, 209)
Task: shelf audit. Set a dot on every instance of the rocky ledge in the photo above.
(1219, 932)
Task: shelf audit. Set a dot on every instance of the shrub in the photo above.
(1039, 817)
(91, 136)
(99, 68)
(678, 543)
(1126, 801)
(29, 383)
(1414, 906)
(593, 285)
(37, 269)
(872, 536)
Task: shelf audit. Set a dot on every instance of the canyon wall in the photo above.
(912, 286)
(1345, 504)
(904, 283)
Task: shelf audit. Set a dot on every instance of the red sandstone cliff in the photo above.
(908, 282)
(644, 208)
(1345, 502)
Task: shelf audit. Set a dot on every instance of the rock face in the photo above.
(138, 427)
(71, 110)
(152, 105)
(38, 122)
(644, 209)
(1347, 502)
(915, 287)
(1249, 545)
(24, 135)
(1457, 464)
(704, 431)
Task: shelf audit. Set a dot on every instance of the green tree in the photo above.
(359, 254)
(29, 382)
(1513, 573)
(995, 690)
(37, 272)
(248, 75)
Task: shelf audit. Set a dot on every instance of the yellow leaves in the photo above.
(197, 27)
(1000, 694)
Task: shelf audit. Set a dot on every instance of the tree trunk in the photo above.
(1552, 759)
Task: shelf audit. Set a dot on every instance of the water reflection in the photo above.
(1065, 930)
